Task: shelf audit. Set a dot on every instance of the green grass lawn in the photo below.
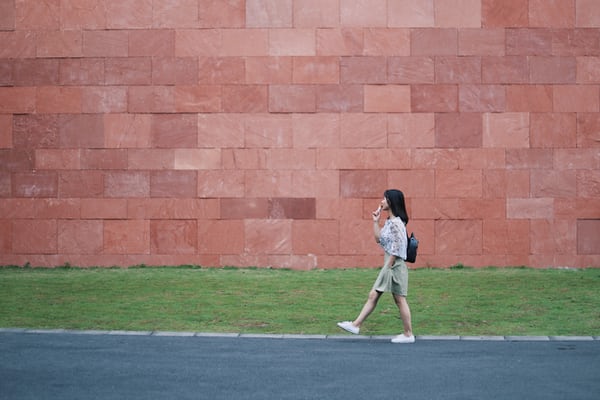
(503, 301)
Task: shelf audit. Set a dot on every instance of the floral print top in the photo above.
(393, 238)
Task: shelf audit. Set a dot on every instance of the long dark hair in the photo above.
(395, 199)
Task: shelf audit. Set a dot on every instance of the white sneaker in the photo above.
(349, 327)
(403, 339)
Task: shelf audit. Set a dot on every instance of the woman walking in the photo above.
(393, 277)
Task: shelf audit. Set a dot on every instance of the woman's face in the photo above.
(384, 204)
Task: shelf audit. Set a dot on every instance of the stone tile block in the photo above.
(271, 70)
(173, 236)
(59, 99)
(411, 13)
(243, 159)
(416, 183)
(81, 131)
(507, 70)
(271, 236)
(35, 71)
(34, 236)
(103, 208)
(269, 13)
(386, 42)
(174, 131)
(152, 43)
(434, 98)
(128, 71)
(339, 98)
(454, 69)
(35, 184)
(215, 13)
(506, 130)
(127, 184)
(315, 237)
(126, 237)
(588, 184)
(554, 184)
(553, 130)
(172, 208)
(291, 159)
(414, 70)
(57, 159)
(260, 183)
(557, 14)
(372, 13)
(32, 15)
(5, 184)
(245, 98)
(173, 184)
(197, 159)
(529, 42)
(386, 159)
(529, 98)
(220, 183)
(588, 130)
(131, 14)
(76, 184)
(59, 44)
(553, 70)
(247, 208)
(504, 13)
(588, 239)
(197, 42)
(17, 44)
(244, 42)
(458, 183)
(315, 183)
(7, 15)
(387, 98)
(316, 70)
(579, 158)
(434, 42)
(316, 13)
(588, 70)
(363, 70)
(196, 99)
(127, 130)
(529, 158)
(587, 14)
(482, 98)
(292, 99)
(174, 71)
(105, 43)
(407, 130)
(292, 208)
(505, 236)
(530, 208)
(268, 131)
(362, 183)
(178, 14)
(476, 158)
(103, 100)
(458, 130)
(292, 42)
(6, 131)
(315, 130)
(575, 42)
(458, 237)
(220, 130)
(553, 237)
(221, 236)
(80, 236)
(576, 98)
(435, 158)
(339, 42)
(17, 100)
(150, 159)
(221, 70)
(458, 13)
(363, 131)
(481, 42)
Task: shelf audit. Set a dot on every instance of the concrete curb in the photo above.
(300, 336)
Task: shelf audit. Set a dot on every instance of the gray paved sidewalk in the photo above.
(41, 364)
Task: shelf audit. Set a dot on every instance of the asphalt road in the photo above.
(100, 366)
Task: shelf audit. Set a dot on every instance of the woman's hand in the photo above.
(376, 214)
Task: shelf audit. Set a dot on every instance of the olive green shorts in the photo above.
(394, 279)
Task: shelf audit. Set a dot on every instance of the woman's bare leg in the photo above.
(368, 308)
(404, 313)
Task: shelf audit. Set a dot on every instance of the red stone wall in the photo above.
(263, 132)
